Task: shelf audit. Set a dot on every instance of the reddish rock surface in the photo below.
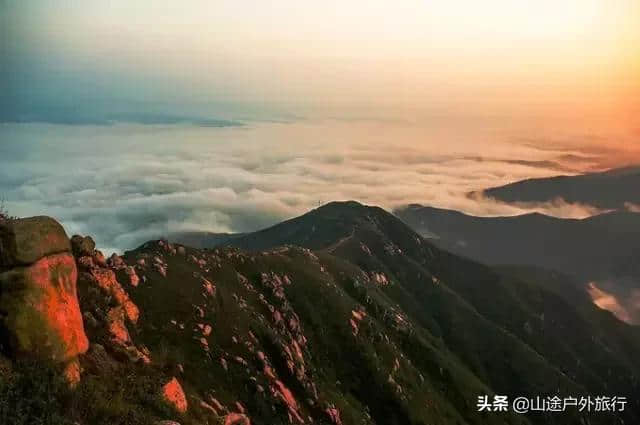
(106, 279)
(236, 419)
(71, 373)
(116, 326)
(334, 415)
(41, 316)
(173, 394)
(41, 307)
(287, 397)
(134, 280)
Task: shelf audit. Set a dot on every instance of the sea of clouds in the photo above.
(127, 183)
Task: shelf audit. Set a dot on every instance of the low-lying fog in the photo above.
(126, 183)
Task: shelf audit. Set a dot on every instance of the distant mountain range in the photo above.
(601, 252)
(612, 189)
(601, 247)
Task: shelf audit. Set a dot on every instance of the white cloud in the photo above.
(125, 184)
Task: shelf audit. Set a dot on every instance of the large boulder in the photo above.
(24, 241)
(174, 396)
(40, 313)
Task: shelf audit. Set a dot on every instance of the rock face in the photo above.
(38, 291)
(106, 305)
(173, 394)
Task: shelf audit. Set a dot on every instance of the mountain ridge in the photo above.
(610, 189)
(344, 315)
(598, 249)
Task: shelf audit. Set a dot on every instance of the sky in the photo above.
(406, 59)
(131, 119)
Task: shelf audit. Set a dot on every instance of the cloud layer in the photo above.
(125, 184)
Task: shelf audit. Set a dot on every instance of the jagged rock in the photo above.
(116, 262)
(173, 394)
(380, 278)
(206, 331)
(133, 276)
(130, 353)
(98, 258)
(208, 407)
(236, 419)
(334, 415)
(161, 269)
(204, 343)
(216, 404)
(354, 321)
(98, 360)
(82, 246)
(121, 344)
(240, 360)
(208, 287)
(117, 328)
(72, 372)
(85, 263)
(289, 400)
(106, 280)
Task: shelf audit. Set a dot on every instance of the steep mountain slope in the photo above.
(609, 189)
(602, 249)
(363, 322)
(467, 305)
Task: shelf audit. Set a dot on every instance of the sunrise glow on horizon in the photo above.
(408, 59)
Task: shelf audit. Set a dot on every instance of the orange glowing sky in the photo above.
(559, 59)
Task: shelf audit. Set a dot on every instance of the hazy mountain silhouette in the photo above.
(610, 189)
(603, 248)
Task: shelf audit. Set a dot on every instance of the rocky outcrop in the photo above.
(40, 312)
(173, 395)
(334, 415)
(236, 419)
(106, 305)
